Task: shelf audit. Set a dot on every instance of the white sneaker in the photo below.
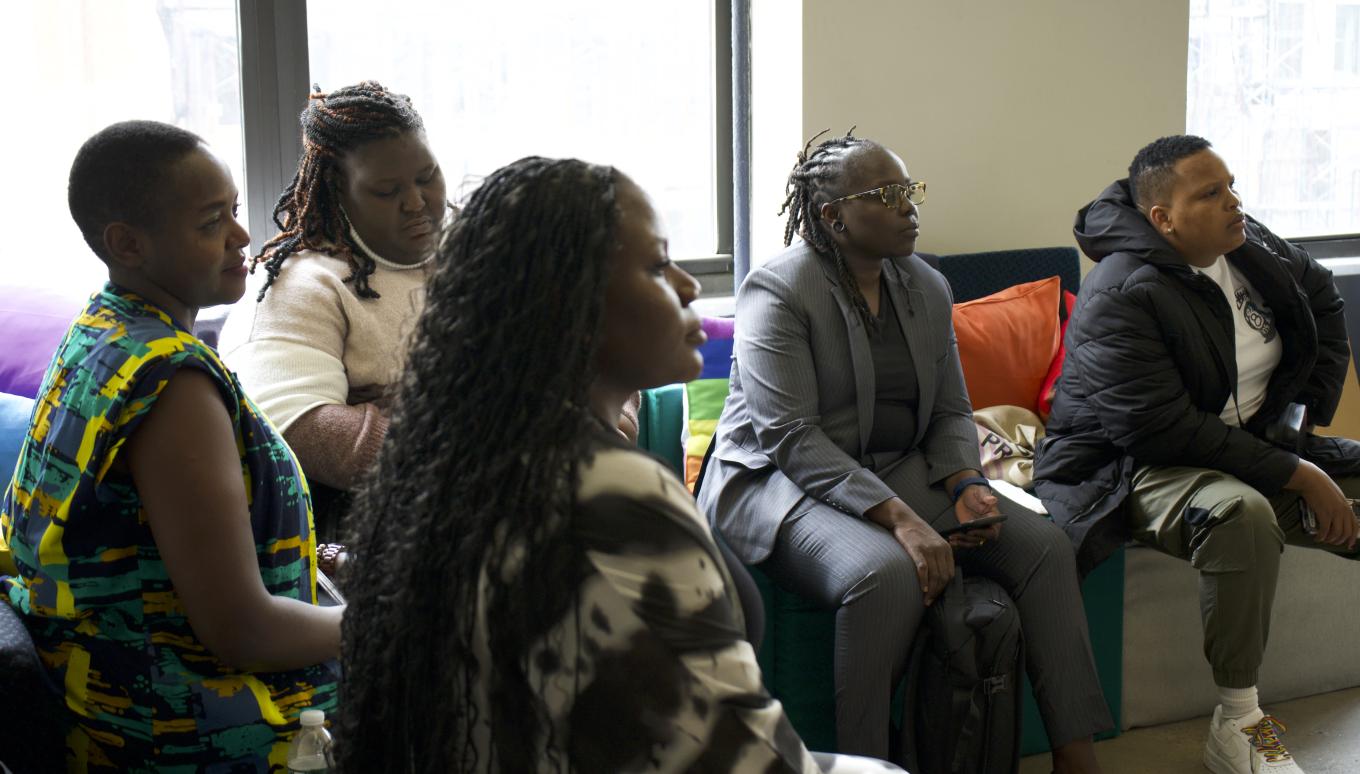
(1247, 745)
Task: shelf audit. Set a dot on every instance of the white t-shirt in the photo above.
(1258, 342)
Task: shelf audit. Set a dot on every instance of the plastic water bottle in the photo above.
(311, 747)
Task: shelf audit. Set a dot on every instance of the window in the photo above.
(1316, 175)
(1271, 84)
(1286, 27)
(81, 66)
(614, 81)
(1348, 39)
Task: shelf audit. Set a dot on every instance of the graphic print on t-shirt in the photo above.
(1257, 346)
(1259, 318)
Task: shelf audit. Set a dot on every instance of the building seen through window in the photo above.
(1275, 85)
(610, 81)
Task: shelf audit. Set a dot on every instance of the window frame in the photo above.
(274, 87)
(275, 82)
(1330, 246)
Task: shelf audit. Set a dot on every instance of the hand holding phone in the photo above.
(975, 524)
(1309, 519)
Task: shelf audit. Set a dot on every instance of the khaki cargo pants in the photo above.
(1233, 535)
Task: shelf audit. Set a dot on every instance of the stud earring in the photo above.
(838, 227)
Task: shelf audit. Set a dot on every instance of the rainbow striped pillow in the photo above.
(704, 397)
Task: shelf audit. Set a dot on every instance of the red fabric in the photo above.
(1050, 387)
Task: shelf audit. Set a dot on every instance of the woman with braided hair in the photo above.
(344, 283)
(529, 592)
(847, 443)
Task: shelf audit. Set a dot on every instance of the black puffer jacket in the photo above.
(1151, 362)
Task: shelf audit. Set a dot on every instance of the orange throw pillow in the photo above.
(1007, 342)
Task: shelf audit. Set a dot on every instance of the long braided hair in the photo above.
(817, 178)
(308, 213)
(477, 474)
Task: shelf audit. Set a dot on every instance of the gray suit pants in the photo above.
(854, 565)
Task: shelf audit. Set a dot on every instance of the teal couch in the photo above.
(797, 653)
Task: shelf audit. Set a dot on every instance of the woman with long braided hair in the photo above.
(847, 444)
(527, 591)
(343, 284)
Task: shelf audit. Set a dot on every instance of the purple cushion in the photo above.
(32, 324)
(717, 351)
(718, 327)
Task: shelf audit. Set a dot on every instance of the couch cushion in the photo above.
(1314, 635)
(34, 321)
(974, 275)
(14, 416)
(705, 396)
(1048, 391)
(1007, 342)
(660, 415)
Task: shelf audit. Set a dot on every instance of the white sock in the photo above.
(1238, 702)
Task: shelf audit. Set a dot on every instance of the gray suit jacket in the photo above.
(800, 405)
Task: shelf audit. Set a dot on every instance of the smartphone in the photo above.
(327, 593)
(1309, 519)
(975, 524)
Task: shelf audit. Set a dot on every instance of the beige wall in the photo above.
(1016, 113)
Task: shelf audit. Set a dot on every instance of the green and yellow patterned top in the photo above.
(141, 691)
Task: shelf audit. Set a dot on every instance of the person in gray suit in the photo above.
(847, 442)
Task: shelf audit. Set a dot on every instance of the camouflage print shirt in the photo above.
(650, 671)
(141, 691)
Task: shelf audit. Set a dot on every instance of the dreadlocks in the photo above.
(817, 178)
(478, 472)
(308, 214)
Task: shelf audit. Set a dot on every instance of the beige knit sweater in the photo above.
(319, 360)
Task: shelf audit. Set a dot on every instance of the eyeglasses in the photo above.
(892, 195)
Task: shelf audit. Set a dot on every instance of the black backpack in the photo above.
(962, 708)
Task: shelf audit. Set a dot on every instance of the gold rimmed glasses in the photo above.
(892, 195)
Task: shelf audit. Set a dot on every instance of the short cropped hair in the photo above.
(1152, 173)
(119, 173)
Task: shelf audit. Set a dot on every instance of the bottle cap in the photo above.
(313, 717)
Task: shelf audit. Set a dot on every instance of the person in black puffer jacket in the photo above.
(1190, 339)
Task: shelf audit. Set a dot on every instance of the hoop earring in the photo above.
(838, 227)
